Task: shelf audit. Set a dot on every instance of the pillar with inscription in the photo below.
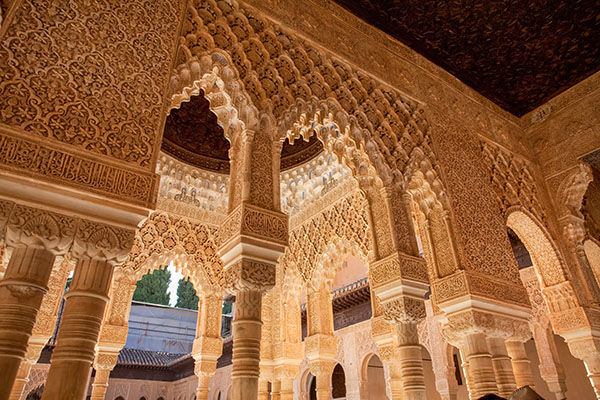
(97, 248)
(384, 336)
(288, 350)
(399, 279)
(252, 238)
(441, 361)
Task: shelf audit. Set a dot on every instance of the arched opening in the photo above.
(375, 377)
(311, 387)
(550, 358)
(35, 394)
(121, 398)
(338, 383)
(543, 253)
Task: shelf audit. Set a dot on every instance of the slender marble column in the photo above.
(322, 370)
(467, 373)
(208, 344)
(592, 364)
(287, 389)
(411, 361)
(104, 363)
(505, 378)
(263, 389)
(78, 334)
(520, 363)
(395, 380)
(21, 293)
(246, 344)
(276, 390)
(482, 379)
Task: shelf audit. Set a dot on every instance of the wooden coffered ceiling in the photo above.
(517, 53)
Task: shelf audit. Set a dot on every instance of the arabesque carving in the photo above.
(344, 222)
(163, 238)
(110, 85)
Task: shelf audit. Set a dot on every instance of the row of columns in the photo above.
(492, 364)
(251, 240)
(33, 278)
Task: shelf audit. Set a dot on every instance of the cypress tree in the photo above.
(153, 287)
(186, 295)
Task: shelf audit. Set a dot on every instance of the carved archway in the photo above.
(545, 256)
(339, 230)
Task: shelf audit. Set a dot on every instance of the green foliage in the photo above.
(153, 287)
(186, 295)
(226, 307)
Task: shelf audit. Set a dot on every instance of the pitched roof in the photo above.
(147, 358)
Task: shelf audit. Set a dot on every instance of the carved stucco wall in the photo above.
(82, 90)
(566, 128)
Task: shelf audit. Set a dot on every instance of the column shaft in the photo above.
(100, 384)
(287, 389)
(482, 379)
(520, 363)
(505, 378)
(276, 390)
(263, 389)
(411, 361)
(395, 380)
(467, 373)
(21, 293)
(323, 386)
(592, 364)
(21, 380)
(78, 334)
(246, 345)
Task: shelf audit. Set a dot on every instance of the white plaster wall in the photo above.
(134, 389)
(220, 382)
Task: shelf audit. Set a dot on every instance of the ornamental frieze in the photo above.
(50, 163)
(256, 222)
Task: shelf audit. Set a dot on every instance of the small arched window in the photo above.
(120, 398)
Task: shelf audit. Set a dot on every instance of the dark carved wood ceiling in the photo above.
(193, 135)
(517, 53)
